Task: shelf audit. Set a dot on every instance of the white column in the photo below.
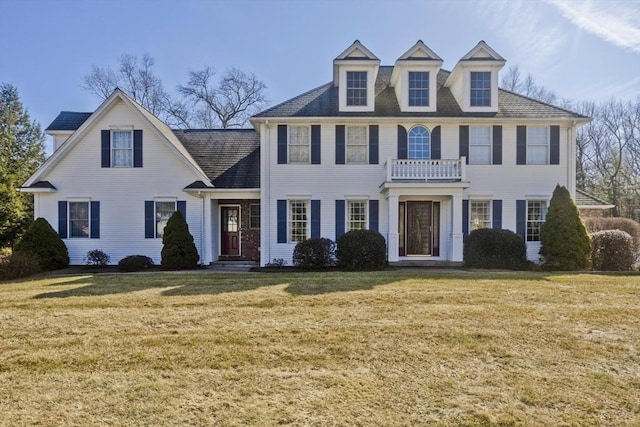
(207, 256)
(392, 239)
(456, 229)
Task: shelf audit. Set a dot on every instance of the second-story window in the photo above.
(356, 88)
(480, 89)
(299, 138)
(537, 145)
(479, 145)
(122, 148)
(419, 142)
(357, 146)
(418, 88)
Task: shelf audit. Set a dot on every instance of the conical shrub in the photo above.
(42, 241)
(178, 251)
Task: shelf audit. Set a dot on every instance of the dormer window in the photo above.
(418, 88)
(356, 88)
(480, 89)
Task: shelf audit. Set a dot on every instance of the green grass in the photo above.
(382, 348)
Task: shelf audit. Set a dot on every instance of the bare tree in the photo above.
(512, 80)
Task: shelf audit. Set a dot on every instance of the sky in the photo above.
(580, 49)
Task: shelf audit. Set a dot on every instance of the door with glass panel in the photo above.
(419, 228)
(230, 236)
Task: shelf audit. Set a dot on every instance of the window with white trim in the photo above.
(418, 88)
(537, 145)
(536, 215)
(164, 210)
(419, 143)
(298, 220)
(357, 145)
(299, 143)
(480, 89)
(356, 88)
(79, 219)
(356, 215)
(479, 145)
(122, 148)
(480, 214)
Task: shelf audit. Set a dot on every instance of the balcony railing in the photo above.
(426, 170)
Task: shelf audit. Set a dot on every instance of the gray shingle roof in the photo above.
(68, 120)
(586, 199)
(323, 102)
(42, 184)
(230, 158)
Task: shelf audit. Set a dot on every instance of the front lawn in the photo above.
(382, 348)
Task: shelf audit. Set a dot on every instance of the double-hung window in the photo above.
(299, 142)
(418, 88)
(357, 147)
(536, 215)
(298, 220)
(479, 145)
(480, 215)
(356, 215)
(254, 216)
(356, 88)
(164, 210)
(122, 148)
(480, 89)
(79, 219)
(537, 145)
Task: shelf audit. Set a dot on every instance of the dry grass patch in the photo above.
(390, 348)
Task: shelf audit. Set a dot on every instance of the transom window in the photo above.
(536, 215)
(480, 89)
(479, 145)
(79, 219)
(419, 143)
(164, 210)
(480, 216)
(298, 220)
(357, 215)
(254, 216)
(537, 145)
(299, 139)
(356, 88)
(418, 88)
(122, 148)
(357, 146)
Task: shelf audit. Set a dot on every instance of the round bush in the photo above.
(314, 254)
(492, 248)
(97, 258)
(17, 265)
(360, 250)
(612, 250)
(616, 223)
(135, 263)
(42, 241)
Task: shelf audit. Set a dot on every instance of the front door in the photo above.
(419, 228)
(229, 217)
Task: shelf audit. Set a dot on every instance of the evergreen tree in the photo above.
(21, 152)
(563, 236)
(179, 252)
(43, 242)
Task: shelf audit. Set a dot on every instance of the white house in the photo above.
(420, 154)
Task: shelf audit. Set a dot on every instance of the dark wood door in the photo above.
(418, 228)
(230, 217)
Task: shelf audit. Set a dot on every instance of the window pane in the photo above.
(419, 143)
(536, 215)
(480, 89)
(79, 219)
(357, 146)
(480, 216)
(357, 215)
(418, 88)
(299, 137)
(356, 88)
(297, 220)
(254, 216)
(122, 148)
(121, 139)
(480, 155)
(480, 145)
(164, 210)
(122, 157)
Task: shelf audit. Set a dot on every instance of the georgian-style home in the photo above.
(418, 153)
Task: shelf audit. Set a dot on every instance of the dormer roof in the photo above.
(357, 53)
(419, 52)
(482, 52)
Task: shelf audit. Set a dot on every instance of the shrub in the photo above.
(179, 252)
(276, 263)
(17, 265)
(361, 250)
(493, 248)
(314, 254)
(96, 258)
(612, 250)
(42, 241)
(135, 263)
(624, 224)
(564, 240)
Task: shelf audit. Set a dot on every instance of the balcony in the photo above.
(446, 170)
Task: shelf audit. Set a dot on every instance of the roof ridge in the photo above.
(214, 130)
(543, 103)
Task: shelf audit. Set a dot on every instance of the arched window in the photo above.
(419, 143)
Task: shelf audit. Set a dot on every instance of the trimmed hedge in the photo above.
(178, 251)
(612, 250)
(360, 250)
(42, 241)
(132, 263)
(314, 254)
(493, 248)
(615, 223)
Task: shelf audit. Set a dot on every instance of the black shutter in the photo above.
(137, 148)
(282, 144)
(62, 219)
(373, 215)
(340, 218)
(315, 144)
(95, 220)
(521, 218)
(497, 214)
(521, 145)
(554, 155)
(497, 145)
(149, 219)
(105, 148)
(373, 144)
(436, 143)
(315, 218)
(403, 150)
(340, 145)
(464, 142)
(282, 221)
(181, 206)
(465, 219)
